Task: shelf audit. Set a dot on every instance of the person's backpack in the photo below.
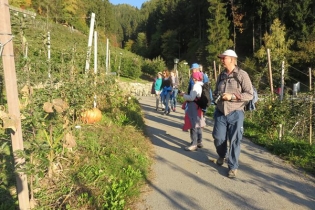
(204, 101)
(250, 106)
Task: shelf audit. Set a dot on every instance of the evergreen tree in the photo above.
(170, 46)
(279, 49)
(219, 34)
(140, 46)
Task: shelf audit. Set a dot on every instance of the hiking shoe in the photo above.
(232, 173)
(191, 148)
(220, 161)
(200, 145)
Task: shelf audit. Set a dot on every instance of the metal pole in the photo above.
(95, 52)
(107, 56)
(48, 49)
(88, 54)
(13, 101)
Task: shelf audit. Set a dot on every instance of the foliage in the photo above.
(140, 46)
(152, 67)
(278, 46)
(194, 26)
(262, 127)
(169, 46)
(218, 30)
(131, 67)
(59, 149)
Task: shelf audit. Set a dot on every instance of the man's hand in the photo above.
(227, 96)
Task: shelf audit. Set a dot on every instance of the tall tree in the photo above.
(169, 46)
(219, 34)
(140, 47)
(279, 47)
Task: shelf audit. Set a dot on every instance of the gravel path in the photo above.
(191, 180)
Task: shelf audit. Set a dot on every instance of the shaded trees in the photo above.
(219, 34)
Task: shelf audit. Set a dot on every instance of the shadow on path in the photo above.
(191, 180)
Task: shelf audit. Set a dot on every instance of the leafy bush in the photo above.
(152, 67)
(72, 165)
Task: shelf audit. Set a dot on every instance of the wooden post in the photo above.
(280, 132)
(270, 71)
(13, 100)
(311, 105)
(282, 81)
(215, 71)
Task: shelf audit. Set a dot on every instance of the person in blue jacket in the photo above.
(167, 88)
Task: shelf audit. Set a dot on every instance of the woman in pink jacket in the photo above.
(194, 119)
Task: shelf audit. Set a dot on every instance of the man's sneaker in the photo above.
(168, 112)
(200, 145)
(232, 173)
(220, 161)
(191, 148)
(174, 110)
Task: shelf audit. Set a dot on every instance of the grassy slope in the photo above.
(110, 162)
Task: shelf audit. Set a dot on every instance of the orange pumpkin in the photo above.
(91, 116)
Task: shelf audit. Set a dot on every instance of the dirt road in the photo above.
(191, 180)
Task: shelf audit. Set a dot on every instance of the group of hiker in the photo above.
(233, 90)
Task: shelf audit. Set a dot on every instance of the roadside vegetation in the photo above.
(72, 164)
(291, 143)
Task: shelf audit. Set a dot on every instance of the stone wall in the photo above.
(137, 89)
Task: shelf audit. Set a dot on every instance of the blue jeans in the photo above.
(195, 135)
(230, 128)
(174, 98)
(211, 97)
(166, 101)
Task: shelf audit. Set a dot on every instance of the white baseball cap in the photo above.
(230, 53)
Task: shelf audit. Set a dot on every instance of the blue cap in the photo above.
(194, 66)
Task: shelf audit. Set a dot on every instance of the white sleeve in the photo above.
(195, 92)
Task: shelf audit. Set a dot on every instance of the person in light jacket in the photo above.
(157, 88)
(194, 119)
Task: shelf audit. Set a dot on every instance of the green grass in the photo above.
(298, 152)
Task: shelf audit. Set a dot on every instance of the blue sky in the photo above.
(135, 3)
